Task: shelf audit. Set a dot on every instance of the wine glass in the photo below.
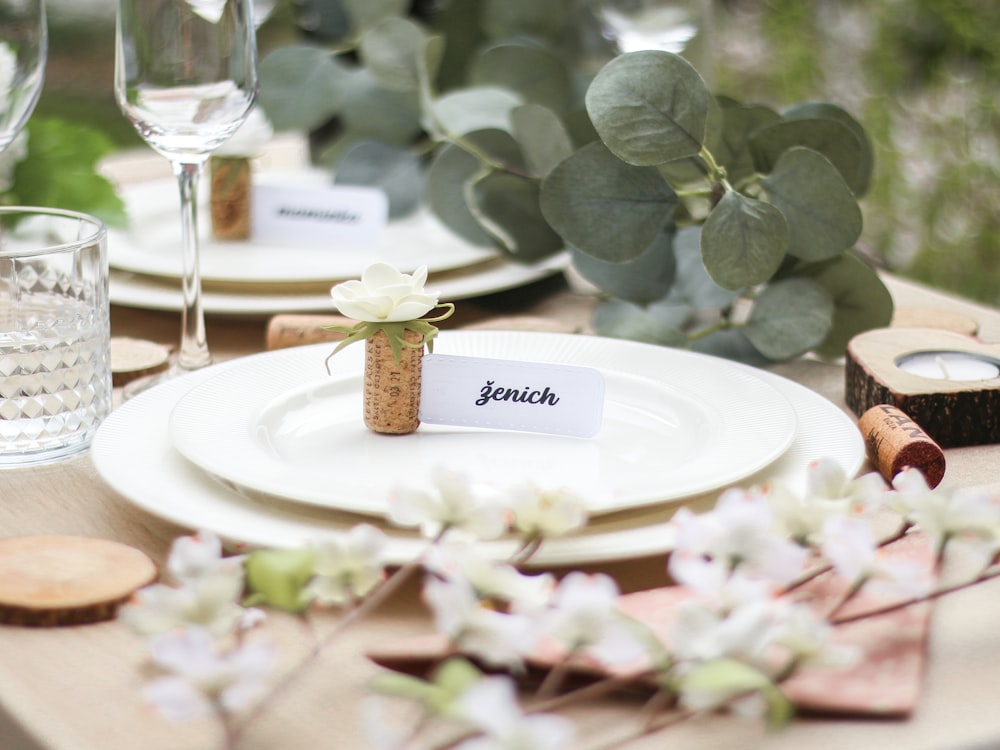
(186, 78)
(23, 51)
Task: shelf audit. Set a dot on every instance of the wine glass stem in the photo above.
(194, 351)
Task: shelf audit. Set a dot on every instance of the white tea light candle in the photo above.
(960, 366)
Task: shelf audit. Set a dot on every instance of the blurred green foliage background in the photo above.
(923, 76)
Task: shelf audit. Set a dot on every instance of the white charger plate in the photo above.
(155, 293)
(150, 245)
(675, 424)
(133, 453)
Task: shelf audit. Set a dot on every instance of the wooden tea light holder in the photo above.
(947, 383)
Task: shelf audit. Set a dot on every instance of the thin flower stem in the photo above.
(554, 679)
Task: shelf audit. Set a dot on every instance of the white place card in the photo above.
(510, 395)
(327, 215)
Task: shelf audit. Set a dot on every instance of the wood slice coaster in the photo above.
(47, 581)
(136, 358)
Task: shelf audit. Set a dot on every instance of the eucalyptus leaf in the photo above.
(739, 122)
(533, 72)
(476, 108)
(730, 343)
(325, 21)
(649, 107)
(450, 170)
(642, 280)
(693, 284)
(507, 205)
(861, 301)
(743, 241)
(789, 318)
(391, 50)
(835, 140)
(542, 137)
(373, 112)
(300, 87)
(829, 111)
(605, 207)
(367, 13)
(503, 19)
(655, 324)
(823, 217)
(395, 171)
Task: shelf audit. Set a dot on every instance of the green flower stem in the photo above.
(722, 325)
(394, 331)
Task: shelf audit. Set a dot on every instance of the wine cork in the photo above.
(894, 441)
(392, 389)
(290, 329)
(230, 201)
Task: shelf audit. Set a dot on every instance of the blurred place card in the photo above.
(346, 215)
(505, 394)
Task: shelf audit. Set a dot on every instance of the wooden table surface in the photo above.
(77, 688)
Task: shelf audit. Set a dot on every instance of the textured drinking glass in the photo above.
(55, 368)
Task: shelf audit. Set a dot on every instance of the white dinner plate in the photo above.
(151, 244)
(154, 293)
(675, 424)
(132, 452)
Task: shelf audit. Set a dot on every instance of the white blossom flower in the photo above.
(584, 616)
(546, 513)
(200, 555)
(251, 138)
(809, 638)
(740, 531)
(202, 681)
(849, 545)
(827, 480)
(209, 602)
(491, 578)
(491, 706)
(453, 503)
(496, 638)
(349, 565)
(384, 295)
(699, 632)
(715, 583)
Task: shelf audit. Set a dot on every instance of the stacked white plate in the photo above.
(257, 278)
(270, 450)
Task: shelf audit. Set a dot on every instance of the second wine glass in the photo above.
(23, 51)
(186, 78)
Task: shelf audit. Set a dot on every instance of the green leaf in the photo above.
(743, 241)
(507, 206)
(642, 280)
(649, 107)
(659, 324)
(449, 172)
(728, 678)
(739, 122)
(395, 171)
(790, 318)
(60, 171)
(861, 301)
(694, 286)
(605, 207)
(373, 112)
(367, 13)
(391, 50)
(300, 87)
(504, 19)
(822, 214)
(828, 111)
(542, 137)
(533, 72)
(730, 343)
(478, 108)
(439, 693)
(278, 578)
(835, 140)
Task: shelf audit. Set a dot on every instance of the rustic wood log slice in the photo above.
(135, 358)
(47, 581)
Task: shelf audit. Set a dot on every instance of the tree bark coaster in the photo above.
(136, 358)
(952, 412)
(47, 581)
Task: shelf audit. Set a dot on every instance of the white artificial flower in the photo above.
(809, 638)
(384, 295)
(699, 632)
(251, 138)
(200, 555)
(453, 503)
(348, 566)
(490, 705)
(827, 480)
(496, 638)
(849, 545)
(715, 582)
(546, 513)
(491, 578)
(209, 602)
(741, 532)
(584, 616)
(201, 681)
